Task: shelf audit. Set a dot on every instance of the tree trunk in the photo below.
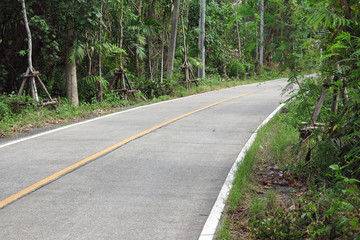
(34, 93)
(163, 41)
(335, 101)
(172, 44)
(71, 83)
(335, 97)
(183, 31)
(71, 78)
(185, 65)
(101, 87)
(28, 32)
(239, 39)
(318, 106)
(121, 32)
(345, 93)
(162, 57)
(138, 68)
(201, 70)
(99, 97)
(149, 40)
(187, 10)
(257, 50)
(262, 33)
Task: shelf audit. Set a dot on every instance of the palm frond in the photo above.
(77, 53)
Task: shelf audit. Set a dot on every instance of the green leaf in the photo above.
(328, 56)
(347, 206)
(355, 223)
(141, 39)
(23, 52)
(282, 47)
(329, 212)
(335, 167)
(351, 180)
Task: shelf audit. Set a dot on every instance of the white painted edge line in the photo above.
(109, 115)
(87, 121)
(209, 230)
(101, 117)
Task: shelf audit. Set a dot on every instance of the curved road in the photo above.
(152, 172)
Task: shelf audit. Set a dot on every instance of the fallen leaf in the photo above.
(292, 182)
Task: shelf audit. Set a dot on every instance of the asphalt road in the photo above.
(161, 184)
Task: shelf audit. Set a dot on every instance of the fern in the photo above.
(111, 49)
(77, 53)
(195, 61)
(90, 80)
(325, 17)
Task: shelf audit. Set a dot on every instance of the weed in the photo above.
(278, 225)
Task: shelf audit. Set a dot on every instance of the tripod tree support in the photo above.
(189, 75)
(31, 75)
(125, 85)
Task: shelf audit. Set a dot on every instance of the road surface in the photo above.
(152, 172)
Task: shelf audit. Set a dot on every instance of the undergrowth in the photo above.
(278, 196)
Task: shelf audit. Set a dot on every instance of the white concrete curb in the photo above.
(209, 230)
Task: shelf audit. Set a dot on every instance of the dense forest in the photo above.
(89, 40)
(79, 48)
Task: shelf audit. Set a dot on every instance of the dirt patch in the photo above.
(279, 180)
(268, 179)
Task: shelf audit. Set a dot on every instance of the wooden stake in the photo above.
(319, 105)
(121, 75)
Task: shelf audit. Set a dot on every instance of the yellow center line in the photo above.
(72, 167)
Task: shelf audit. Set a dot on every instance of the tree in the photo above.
(30, 65)
(201, 70)
(172, 40)
(79, 18)
(146, 31)
(71, 75)
(262, 9)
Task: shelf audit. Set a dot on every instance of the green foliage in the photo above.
(5, 108)
(222, 233)
(235, 69)
(10, 105)
(335, 144)
(322, 13)
(89, 31)
(3, 74)
(324, 215)
(77, 53)
(155, 89)
(278, 225)
(9, 110)
(330, 214)
(89, 87)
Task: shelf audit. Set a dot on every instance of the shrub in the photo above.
(235, 69)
